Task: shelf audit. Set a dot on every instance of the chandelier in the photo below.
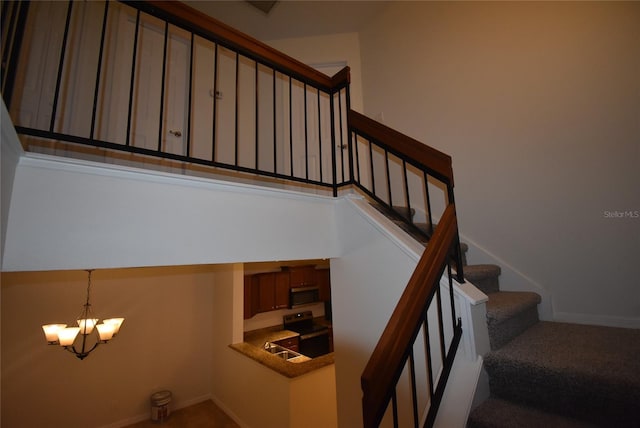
(60, 334)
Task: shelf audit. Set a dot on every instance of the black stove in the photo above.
(314, 338)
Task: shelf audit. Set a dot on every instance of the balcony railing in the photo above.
(159, 83)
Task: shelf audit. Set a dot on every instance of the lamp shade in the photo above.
(66, 336)
(105, 331)
(86, 325)
(51, 332)
(116, 322)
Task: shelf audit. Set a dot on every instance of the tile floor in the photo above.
(201, 415)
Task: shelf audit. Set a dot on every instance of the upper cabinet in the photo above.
(324, 283)
(301, 276)
(270, 291)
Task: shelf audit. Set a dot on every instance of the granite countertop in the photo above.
(253, 347)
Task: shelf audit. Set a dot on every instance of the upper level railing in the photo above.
(160, 84)
(159, 79)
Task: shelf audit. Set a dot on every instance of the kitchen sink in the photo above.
(282, 352)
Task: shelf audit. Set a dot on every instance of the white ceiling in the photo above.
(292, 18)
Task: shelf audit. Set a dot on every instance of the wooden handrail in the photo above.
(254, 48)
(390, 354)
(435, 160)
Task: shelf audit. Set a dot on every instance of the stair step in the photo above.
(509, 313)
(484, 276)
(590, 373)
(497, 413)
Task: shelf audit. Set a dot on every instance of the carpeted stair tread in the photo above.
(504, 305)
(580, 371)
(497, 413)
(509, 313)
(484, 276)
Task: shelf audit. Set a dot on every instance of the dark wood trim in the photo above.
(245, 43)
(433, 159)
(342, 78)
(389, 356)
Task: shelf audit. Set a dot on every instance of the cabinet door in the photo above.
(324, 283)
(266, 283)
(302, 276)
(292, 343)
(281, 290)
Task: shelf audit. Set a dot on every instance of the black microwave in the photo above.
(300, 296)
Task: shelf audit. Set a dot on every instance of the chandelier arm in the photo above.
(81, 354)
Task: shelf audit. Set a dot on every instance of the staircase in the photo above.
(548, 374)
(551, 374)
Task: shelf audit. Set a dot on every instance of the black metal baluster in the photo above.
(406, 189)
(63, 51)
(440, 323)
(453, 308)
(163, 84)
(187, 137)
(319, 136)
(99, 70)
(306, 135)
(347, 95)
(458, 250)
(386, 161)
(275, 152)
(257, 118)
(214, 119)
(414, 395)
(341, 135)
(373, 181)
(356, 151)
(334, 167)
(394, 406)
(290, 127)
(427, 352)
(237, 107)
(133, 77)
(428, 199)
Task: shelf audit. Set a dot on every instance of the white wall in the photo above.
(537, 104)
(164, 344)
(328, 49)
(69, 214)
(366, 283)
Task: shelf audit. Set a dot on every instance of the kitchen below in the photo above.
(288, 318)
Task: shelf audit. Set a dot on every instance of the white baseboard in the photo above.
(592, 319)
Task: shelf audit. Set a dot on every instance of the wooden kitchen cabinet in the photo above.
(301, 276)
(324, 284)
(272, 291)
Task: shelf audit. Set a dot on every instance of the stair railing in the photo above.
(396, 350)
(286, 121)
(282, 117)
